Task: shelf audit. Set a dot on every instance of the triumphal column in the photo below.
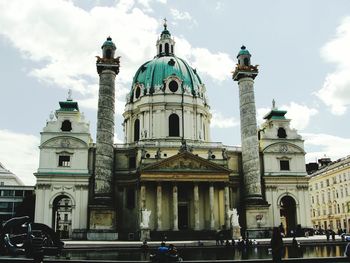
(256, 208)
(102, 208)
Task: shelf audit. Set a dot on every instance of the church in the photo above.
(167, 179)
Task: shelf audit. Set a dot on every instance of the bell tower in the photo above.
(102, 209)
(256, 208)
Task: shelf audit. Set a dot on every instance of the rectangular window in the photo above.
(64, 161)
(284, 165)
(327, 182)
(18, 193)
(65, 217)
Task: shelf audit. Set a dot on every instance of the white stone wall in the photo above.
(54, 180)
(153, 113)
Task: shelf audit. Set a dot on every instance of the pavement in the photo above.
(71, 244)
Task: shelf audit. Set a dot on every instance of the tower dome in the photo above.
(167, 99)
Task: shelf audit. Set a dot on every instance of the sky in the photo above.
(302, 49)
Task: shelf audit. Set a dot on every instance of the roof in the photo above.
(243, 51)
(68, 105)
(9, 176)
(153, 73)
(275, 114)
(109, 42)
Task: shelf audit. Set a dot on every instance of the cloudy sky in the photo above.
(302, 47)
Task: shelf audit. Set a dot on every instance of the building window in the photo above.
(160, 49)
(137, 92)
(2, 183)
(173, 86)
(246, 62)
(166, 48)
(284, 165)
(137, 130)
(281, 133)
(130, 198)
(65, 217)
(66, 126)
(174, 125)
(64, 160)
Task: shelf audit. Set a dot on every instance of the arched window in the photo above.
(136, 130)
(174, 125)
(173, 86)
(172, 49)
(66, 126)
(246, 61)
(62, 215)
(160, 49)
(167, 48)
(137, 92)
(108, 53)
(281, 133)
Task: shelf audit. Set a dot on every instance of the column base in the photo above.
(102, 223)
(257, 219)
(145, 234)
(236, 232)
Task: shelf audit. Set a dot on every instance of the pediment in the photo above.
(185, 162)
(65, 142)
(283, 147)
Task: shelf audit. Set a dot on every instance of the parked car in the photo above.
(345, 236)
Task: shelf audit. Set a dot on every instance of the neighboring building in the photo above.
(168, 177)
(16, 199)
(329, 188)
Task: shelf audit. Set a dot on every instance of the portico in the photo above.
(185, 192)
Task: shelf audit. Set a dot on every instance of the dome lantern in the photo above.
(165, 45)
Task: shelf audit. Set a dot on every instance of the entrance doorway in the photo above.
(288, 214)
(62, 216)
(183, 216)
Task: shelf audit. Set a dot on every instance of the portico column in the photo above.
(196, 207)
(159, 207)
(227, 207)
(211, 205)
(175, 212)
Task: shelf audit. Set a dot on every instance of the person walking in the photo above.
(276, 245)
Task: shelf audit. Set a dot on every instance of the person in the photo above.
(333, 235)
(347, 251)
(276, 245)
(144, 245)
(327, 235)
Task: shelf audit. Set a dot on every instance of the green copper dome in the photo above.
(153, 73)
(109, 42)
(243, 51)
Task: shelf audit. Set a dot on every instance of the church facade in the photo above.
(168, 178)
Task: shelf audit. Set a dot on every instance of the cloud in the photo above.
(19, 153)
(220, 121)
(64, 39)
(335, 92)
(332, 146)
(300, 115)
(218, 65)
(218, 5)
(178, 15)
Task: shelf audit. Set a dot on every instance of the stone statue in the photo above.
(145, 215)
(233, 217)
(224, 154)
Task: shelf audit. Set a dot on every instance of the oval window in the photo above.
(137, 93)
(173, 86)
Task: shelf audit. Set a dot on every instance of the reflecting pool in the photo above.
(207, 253)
